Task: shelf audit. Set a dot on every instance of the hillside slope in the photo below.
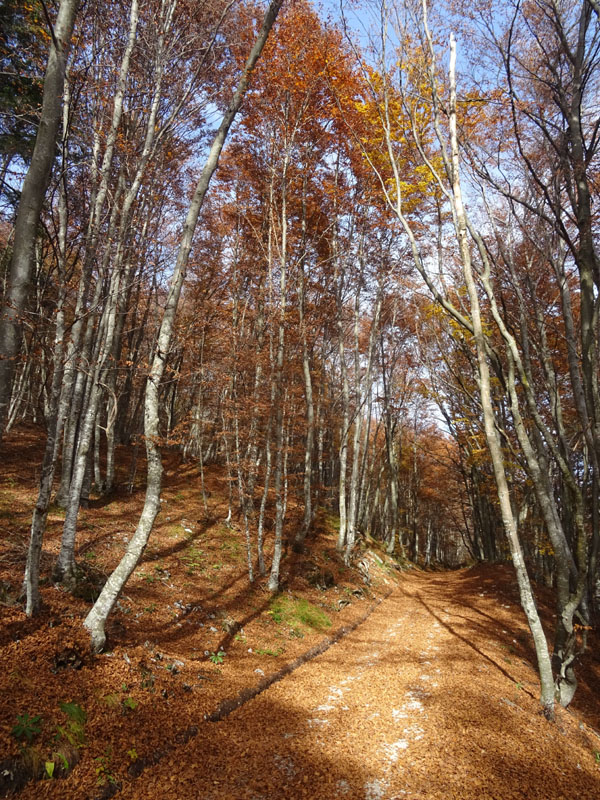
(411, 685)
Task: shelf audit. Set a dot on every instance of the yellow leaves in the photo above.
(422, 182)
(392, 127)
(545, 550)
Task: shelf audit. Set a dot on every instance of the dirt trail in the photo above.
(430, 698)
(433, 696)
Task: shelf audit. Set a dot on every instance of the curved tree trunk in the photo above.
(96, 619)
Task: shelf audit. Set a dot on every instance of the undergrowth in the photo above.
(293, 612)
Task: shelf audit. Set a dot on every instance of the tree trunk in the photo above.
(279, 395)
(308, 394)
(309, 444)
(40, 512)
(492, 436)
(32, 197)
(344, 434)
(96, 619)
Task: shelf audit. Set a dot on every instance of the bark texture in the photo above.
(96, 619)
(30, 205)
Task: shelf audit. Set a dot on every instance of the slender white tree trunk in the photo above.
(273, 583)
(96, 619)
(491, 432)
(344, 434)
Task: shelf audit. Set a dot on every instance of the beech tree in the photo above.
(393, 104)
(276, 329)
(96, 619)
(31, 199)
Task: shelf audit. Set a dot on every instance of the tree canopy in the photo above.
(385, 304)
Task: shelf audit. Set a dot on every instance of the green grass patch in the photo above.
(193, 558)
(267, 651)
(294, 612)
(232, 546)
(332, 521)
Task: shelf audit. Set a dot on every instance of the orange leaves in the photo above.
(294, 87)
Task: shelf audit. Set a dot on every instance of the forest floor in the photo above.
(416, 685)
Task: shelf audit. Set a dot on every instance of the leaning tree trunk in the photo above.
(30, 204)
(96, 619)
(453, 193)
(491, 432)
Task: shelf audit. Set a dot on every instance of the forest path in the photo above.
(431, 697)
